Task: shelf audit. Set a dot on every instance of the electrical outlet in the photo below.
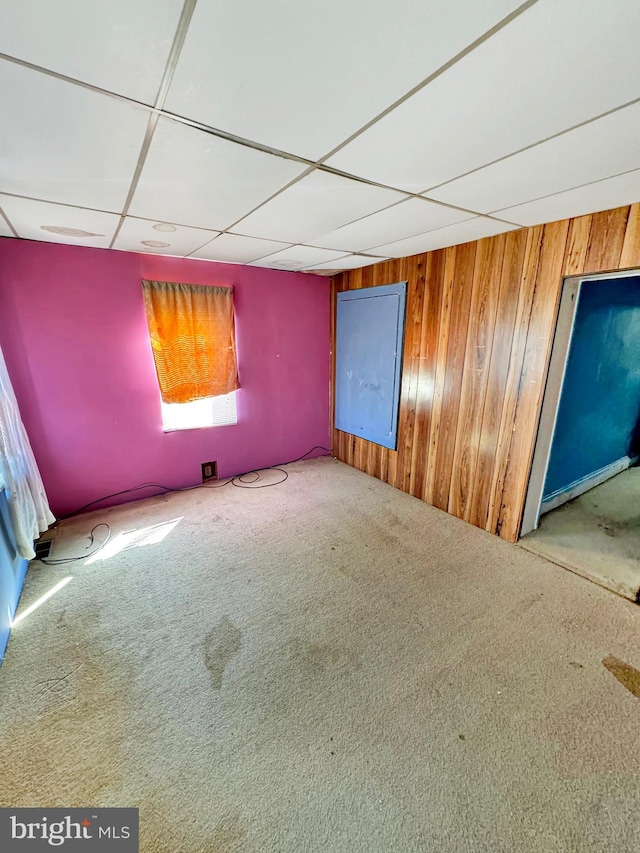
(209, 471)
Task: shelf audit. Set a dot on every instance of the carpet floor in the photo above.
(326, 665)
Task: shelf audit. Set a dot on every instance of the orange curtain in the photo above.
(192, 333)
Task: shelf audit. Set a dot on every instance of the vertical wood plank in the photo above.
(630, 256)
(414, 273)
(431, 309)
(502, 332)
(440, 371)
(456, 352)
(606, 240)
(526, 292)
(486, 283)
(577, 245)
(544, 313)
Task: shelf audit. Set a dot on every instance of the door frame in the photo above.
(563, 335)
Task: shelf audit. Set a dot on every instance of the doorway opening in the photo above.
(582, 508)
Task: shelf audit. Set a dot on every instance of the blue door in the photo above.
(13, 568)
(370, 336)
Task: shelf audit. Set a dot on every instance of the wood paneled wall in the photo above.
(480, 322)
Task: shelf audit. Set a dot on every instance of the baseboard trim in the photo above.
(579, 487)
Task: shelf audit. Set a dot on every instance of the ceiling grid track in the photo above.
(9, 223)
(172, 61)
(437, 73)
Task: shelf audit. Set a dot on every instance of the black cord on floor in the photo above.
(238, 481)
(234, 481)
(48, 562)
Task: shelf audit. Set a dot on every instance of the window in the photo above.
(210, 411)
(192, 333)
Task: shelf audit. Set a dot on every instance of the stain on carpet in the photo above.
(315, 659)
(626, 674)
(220, 645)
(226, 833)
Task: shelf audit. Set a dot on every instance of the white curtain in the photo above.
(28, 505)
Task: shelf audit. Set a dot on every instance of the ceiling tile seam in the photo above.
(569, 189)
(346, 252)
(495, 219)
(408, 195)
(62, 203)
(74, 81)
(9, 223)
(338, 173)
(441, 227)
(172, 60)
(150, 108)
(305, 246)
(206, 243)
(300, 269)
(403, 201)
(270, 198)
(532, 145)
(215, 231)
(179, 37)
(230, 137)
(276, 251)
(284, 244)
(367, 215)
(142, 156)
(496, 28)
(435, 230)
(294, 246)
(257, 146)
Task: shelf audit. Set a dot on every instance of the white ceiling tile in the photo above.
(317, 204)
(121, 46)
(198, 179)
(603, 195)
(452, 235)
(135, 235)
(598, 150)
(64, 143)
(302, 79)
(350, 262)
(298, 257)
(234, 248)
(33, 219)
(394, 223)
(559, 63)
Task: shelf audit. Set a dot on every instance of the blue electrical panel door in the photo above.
(369, 341)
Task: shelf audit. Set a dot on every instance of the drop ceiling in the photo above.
(293, 136)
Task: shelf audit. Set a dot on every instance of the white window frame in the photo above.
(200, 414)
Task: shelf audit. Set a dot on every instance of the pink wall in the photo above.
(74, 334)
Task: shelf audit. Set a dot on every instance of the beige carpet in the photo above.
(597, 535)
(327, 665)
